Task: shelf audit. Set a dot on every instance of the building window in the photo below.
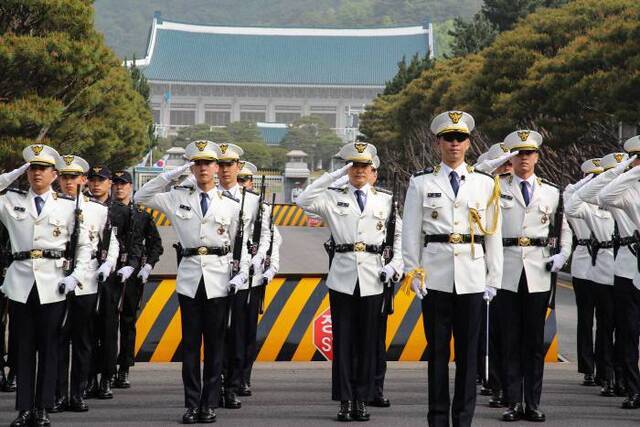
(287, 117)
(329, 119)
(156, 115)
(217, 118)
(182, 118)
(252, 116)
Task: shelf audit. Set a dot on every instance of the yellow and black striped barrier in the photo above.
(284, 215)
(286, 329)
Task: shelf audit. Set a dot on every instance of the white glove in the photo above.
(340, 181)
(558, 261)
(7, 178)
(624, 165)
(269, 274)
(341, 172)
(492, 165)
(172, 174)
(125, 272)
(256, 263)
(419, 288)
(578, 185)
(387, 272)
(69, 283)
(237, 280)
(144, 272)
(489, 293)
(104, 271)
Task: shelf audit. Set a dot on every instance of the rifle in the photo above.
(267, 259)
(129, 245)
(254, 244)
(554, 238)
(237, 257)
(102, 257)
(387, 251)
(70, 252)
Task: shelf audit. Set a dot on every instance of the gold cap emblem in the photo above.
(455, 116)
(241, 164)
(618, 157)
(596, 162)
(68, 159)
(360, 146)
(504, 148)
(37, 149)
(118, 174)
(223, 148)
(523, 135)
(201, 145)
(97, 170)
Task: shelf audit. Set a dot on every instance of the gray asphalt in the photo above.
(294, 394)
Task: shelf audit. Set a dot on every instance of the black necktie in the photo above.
(204, 203)
(455, 183)
(39, 204)
(360, 199)
(524, 187)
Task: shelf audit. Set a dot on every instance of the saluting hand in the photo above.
(7, 178)
(624, 165)
(341, 172)
(172, 174)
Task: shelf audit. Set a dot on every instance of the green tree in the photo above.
(406, 73)
(313, 136)
(473, 36)
(505, 13)
(60, 85)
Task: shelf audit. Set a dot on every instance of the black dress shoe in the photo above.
(245, 390)
(122, 379)
(607, 389)
(105, 389)
(78, 404)
(514, 412)
(10, 383)
(344, 413)
(91, 392)
(60, 405)
(588, 381)
(620, 390)
(41, 418)
(496, 400)
(485, 391)
(207, 416)
(231, 401)
(190, 416)
(380, 402)
(23, 419)
(360, 412)
(631, 402)
(535, 415)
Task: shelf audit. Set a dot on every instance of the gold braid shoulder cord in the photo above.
(474, 218)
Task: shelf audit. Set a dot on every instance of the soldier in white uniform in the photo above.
(356, 216)
(40, 223)
(580, 266)
(600, 271)
(72, 170)
(529, 204)
(496, 160)
(206, 222)
(236, 339)
(259, 281)
(450, 211)
(620, 195)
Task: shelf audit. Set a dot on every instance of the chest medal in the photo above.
(56, 232)
(434, 215)
(221, 230)
(379, 225)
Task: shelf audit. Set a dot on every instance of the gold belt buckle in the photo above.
(35, 254)
(524, 241)
(202, 250)
(359, 247)
(455, 238)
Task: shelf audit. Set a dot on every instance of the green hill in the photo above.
(125, 23)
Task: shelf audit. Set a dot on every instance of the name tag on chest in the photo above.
(18, 208)
(434, 194)
(343, 204)
(185, 207)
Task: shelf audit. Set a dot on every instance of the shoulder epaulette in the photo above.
(504, 175)
(383, 190)
(91, 199)
(183, 187)
(64, 196)
(484, 173)
(338, 189)
(424, 171)
(17, 190)
(550, 183)
(229, 196)
(253, 192)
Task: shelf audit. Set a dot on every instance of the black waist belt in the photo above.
(358, 247)
(206, 250)
(37, 254)
(525, 241)
(583, 242)
(603, 245)
(626, 241)
(454, 238)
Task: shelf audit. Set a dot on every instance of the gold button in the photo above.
(456, 222)
(455, 253)
(456, 204)
(524, 226)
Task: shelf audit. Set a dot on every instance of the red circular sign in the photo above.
(322, 334)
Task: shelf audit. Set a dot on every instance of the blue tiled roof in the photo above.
(181, 55)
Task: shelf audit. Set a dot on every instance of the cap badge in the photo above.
(455, 116)
(523, 135)
(37, 149)
(504, 148)
(596, 162)
(201, 145)
(68, 159)
(119, 174)
(360, 146)
(241, 164)
(223, 148)
(618, 157)
(97, 170)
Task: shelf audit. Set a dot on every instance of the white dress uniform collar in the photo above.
(235, 191)
(44, 196)
(461, 170)
(531, 180)
(364, 189)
